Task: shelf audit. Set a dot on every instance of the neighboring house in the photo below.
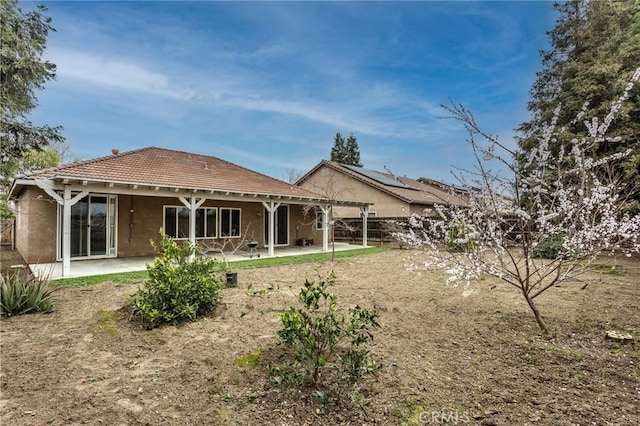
(390, 195)
(112, 206)
(457, 190)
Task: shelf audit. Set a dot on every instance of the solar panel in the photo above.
(379, 177)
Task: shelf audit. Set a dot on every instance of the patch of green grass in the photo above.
(255, 292)
(564, 353)
(216, 389)
(529, 359)
(608, 269)
(410, 410)
(303, 258)
(108, 322)
(131, 277)
(415, 417)
(249, 360)
(123, 278)
(250, 396)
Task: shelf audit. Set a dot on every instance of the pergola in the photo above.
(69, 190)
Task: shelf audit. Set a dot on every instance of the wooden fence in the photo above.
(7, 229)
(378, 229)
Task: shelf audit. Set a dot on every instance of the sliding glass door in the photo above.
(98, 226)
(281, 230)
(93, 227)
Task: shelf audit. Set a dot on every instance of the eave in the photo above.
(105, 186)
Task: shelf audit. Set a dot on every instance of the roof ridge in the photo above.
(84, 162)
(367, 180)
(442, 183)
(231, 163)
(182, 169)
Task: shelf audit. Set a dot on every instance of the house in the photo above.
(458, 190)
(112, 206)
(390, 195)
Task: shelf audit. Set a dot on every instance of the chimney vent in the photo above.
(115, 151)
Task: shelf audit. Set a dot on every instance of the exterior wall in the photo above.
(36, 216)
(419, 210)
(302, 225)
(136, 228)
(316, 233)
(139, 221)
(333, 184)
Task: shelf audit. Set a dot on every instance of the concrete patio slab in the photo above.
(89, 267)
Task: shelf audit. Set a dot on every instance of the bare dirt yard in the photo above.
(462, 356)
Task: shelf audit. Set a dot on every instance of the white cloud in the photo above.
(360, 114)
(114, 73)
(305, 110)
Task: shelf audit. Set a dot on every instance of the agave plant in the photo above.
(20, 294)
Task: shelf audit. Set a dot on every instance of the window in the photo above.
(319, 219)
(370, 214)
(183, 223)
(229, 222)
(176, 222)
(170, 221)
(211, 223)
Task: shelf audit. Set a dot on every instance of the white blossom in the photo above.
(563, 194)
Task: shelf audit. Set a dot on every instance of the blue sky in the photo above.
(268, 84)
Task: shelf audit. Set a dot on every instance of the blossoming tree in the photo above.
(518, 203)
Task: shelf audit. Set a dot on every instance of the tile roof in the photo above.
(164, 167)
(407, 189)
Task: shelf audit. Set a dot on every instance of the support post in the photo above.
(271, 208)
(365, 217)
(192, 204)
(192, 225)
(325, 227)
(66, 231)
(272, 231)
(67, 203)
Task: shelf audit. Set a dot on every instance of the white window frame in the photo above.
(370, 214)
(112, 244)
(319, 220)
(204, 237)
(215, 234)
(230, 209)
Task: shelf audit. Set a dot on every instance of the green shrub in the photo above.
(457, 238)
(20, 294)
(319, 338)
(178, 289)
(549, 248)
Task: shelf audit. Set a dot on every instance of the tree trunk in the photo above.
(536, 314)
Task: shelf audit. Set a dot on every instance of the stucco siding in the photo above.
(139, 221)
(302, 224)
(333, 184)
(137, 228)
(36, 215)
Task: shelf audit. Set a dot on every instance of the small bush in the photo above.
(178, 289)
(457, 239)
(20, 294)
(319, 338)
(549, 248)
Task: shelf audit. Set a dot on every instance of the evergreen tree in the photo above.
(346, 151)
(338, 152)
(23, 38)
(595, 48)
(353, 151)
